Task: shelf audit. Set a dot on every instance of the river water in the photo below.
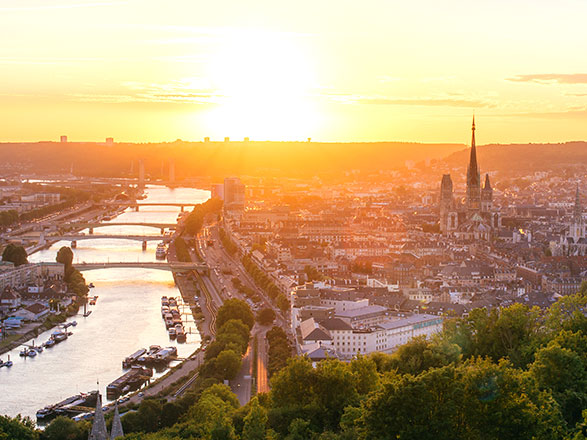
(126, 317)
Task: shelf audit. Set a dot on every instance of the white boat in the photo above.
(161, 251)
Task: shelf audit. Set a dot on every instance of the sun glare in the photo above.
(265, 80)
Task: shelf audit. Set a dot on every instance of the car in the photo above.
(141, 394)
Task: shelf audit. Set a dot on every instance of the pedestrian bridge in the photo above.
(162, 265)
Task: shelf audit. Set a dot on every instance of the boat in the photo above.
(59, 336)
(132, 359)
(91, 285)
(147, 356)
(161, 251)
(24, 352)
(181, 336)
(8, 363)
(38, 349)
(70, 407)
(133, 379)
(31, 353)
(73, 323)
(49, 343)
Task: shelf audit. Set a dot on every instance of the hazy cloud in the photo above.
(62, 6)
(572, 113)
(445, 101)
(552, 78)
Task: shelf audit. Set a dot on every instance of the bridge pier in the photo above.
(91, 230)
(73, 244)
(144, 245)
(162, 231)
(181, 208)
(137, 208)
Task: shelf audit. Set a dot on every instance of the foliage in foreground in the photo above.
(516, 373)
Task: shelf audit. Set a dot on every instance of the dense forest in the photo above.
(511, 373)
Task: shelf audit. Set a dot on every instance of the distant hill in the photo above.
(524, 157)
(217, 158)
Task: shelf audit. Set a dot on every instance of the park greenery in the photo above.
(181, 250)
(15, 254)
(279, 350)
(510, 373)
(195, 219)
(227, 242)
(266, 283)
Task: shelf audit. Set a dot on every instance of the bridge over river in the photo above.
(201, 268)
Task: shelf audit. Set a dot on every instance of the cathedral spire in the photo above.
(117, 431)
(473, 197)
(99, 431)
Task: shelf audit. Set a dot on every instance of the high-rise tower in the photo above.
(473, 197)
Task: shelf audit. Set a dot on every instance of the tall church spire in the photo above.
(99, 431)
(473, 176)
(117, 431)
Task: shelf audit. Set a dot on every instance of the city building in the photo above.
(234, 194)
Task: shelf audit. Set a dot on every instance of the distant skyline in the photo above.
(145, 70)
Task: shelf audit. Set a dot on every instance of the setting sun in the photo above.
(264, 81)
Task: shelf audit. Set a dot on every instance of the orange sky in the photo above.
(142, 70)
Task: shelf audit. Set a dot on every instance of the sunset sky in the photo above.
(145, 70)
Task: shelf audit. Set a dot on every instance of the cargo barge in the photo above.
(130, 381)
(70, 407)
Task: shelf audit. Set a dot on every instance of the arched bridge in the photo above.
(173, 267)
(92, 225)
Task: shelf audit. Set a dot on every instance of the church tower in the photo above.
(473, 197)
(446, 203)
(486, 195)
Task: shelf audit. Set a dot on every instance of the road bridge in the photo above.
(92, 225)
(201, 268)
(137, 205)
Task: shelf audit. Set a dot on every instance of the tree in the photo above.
(65, 257)
(421, 354)
(266, 316)
(235, 309)
(17, 428)
(255, 422)
(228, 363)
(15, 254)
(282, 302)
(63, 428)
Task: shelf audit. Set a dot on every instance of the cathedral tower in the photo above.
(486, 195)
(473, 197)
(446, 202)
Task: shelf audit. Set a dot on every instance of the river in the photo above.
(126, 317)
